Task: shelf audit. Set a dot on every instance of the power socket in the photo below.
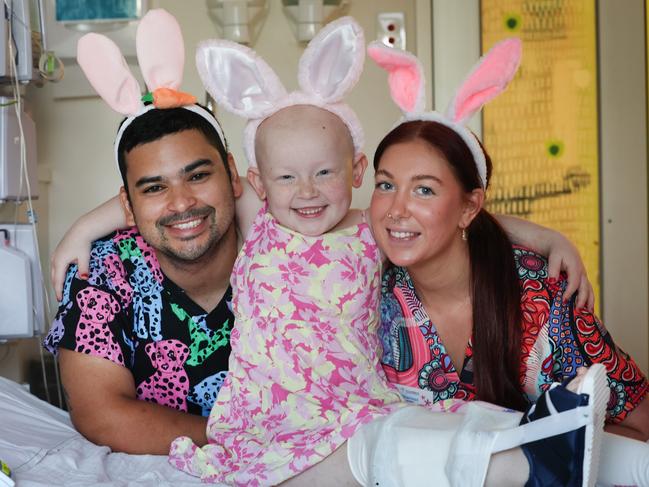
(391, 29)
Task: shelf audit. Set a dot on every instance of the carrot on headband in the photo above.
(169, 98)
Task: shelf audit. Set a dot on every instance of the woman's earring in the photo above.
(464, 235)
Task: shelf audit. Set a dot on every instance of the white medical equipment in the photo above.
(22, 296)
(238, 20)
(65, 21)
(307, 17)
(22, 300)
(13, 184)
(22, 18)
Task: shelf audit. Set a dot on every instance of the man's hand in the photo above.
(103, 407)
(562, 256)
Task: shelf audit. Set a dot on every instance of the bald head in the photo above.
(300, 125)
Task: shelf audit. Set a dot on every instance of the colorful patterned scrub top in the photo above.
(557, 339)
(305, 369)
(129, 312)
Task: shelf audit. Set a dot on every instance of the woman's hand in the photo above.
(564, 256)
(74, 248)
(76, 243)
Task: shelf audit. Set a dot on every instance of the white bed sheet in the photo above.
(42, 448)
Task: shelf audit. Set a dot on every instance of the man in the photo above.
(145, 339)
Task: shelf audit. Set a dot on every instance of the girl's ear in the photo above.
(126, 206)
(472, 205)
(254, 178)
(358, 170)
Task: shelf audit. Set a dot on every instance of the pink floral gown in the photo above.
(305, 365)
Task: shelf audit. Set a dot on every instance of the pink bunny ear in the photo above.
(106, 69)
(487, 80)
(160, 50)
(238, 79)
(333, 60)
(405, 76)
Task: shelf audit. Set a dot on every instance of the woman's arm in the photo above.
(75, 244)
(246, 208)
(562, 256)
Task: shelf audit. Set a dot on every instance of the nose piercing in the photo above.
(390, 216)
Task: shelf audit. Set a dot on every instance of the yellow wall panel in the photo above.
(542, 134)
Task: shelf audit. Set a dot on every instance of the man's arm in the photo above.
(561, 254)
(247, 207)
(104, 409)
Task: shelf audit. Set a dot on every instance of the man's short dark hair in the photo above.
(156, 123)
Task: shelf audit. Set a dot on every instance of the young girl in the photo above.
(304, 371)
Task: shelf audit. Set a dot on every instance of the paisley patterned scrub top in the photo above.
(557, 339)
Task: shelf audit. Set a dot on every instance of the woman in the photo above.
(464, 314)
(482, 319)
(486, 321)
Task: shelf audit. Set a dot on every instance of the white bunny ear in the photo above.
(238, 79)
(487, 80)
(333, 60)
(105, 67)
(405, 76)
(160, 50)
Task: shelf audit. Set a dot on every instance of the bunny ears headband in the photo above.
(161, 56)
(488, 78)
(244, 84)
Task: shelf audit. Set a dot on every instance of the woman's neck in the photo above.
(445, 278)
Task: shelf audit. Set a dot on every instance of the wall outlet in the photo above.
(391, 29)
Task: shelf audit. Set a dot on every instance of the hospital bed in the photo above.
(42, 448)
